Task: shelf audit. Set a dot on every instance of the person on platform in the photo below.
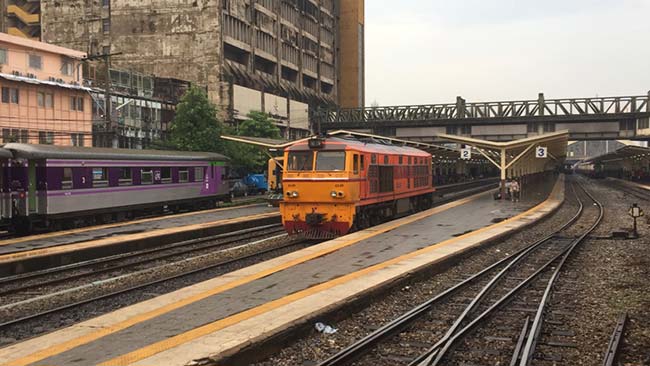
(515, 190)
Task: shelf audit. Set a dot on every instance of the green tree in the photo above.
(251, 158)
(258, 124)
(195, 126)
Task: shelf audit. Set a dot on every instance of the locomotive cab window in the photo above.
(363, 164)
(100, 177)
(355, 164)
(300, 160)
(126, 177)
(66, 183)
(330, 161)
(146, 176)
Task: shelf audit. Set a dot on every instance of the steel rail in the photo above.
(146, 284)
(362, 346)
(536, 328)
(135, 254)
(611, 355)
(435, 354)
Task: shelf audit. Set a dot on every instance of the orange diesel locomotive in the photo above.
(332, 185)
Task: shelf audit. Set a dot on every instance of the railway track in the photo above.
(43, 296)
(473, 321)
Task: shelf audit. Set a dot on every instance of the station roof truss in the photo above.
(518, 157)
(440, 153)
(630, 152)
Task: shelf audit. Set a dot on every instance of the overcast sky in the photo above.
(430, 51)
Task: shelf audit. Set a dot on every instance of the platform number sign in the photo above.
(541, 152)
(466, 154)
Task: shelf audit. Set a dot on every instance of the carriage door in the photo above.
(209, 180)
(31, 187)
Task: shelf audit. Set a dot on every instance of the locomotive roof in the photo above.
(369, 145)
(30, 151)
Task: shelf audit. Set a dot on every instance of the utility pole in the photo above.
(109, 125)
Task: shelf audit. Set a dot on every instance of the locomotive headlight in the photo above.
(333, 194)
(294, 194)
(341, 194)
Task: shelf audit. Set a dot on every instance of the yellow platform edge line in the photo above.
(114, 225)
(204, 330)
(90, 337)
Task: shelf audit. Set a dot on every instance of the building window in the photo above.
(45, 100)
(77, 104)
(126, 177)
(106, 25)
(146, 176)
(77, 139)
(3, 56)
(67, 66)
(45, 137)
(10, 95)
(35, 62)
(24, 136)
(106, 3)
(106, 50)
(66, 183)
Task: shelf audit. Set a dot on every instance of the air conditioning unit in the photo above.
(60, 81)
(16, 73)
(31, 76)
(51, 78)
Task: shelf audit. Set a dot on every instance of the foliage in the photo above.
(251, 158)
(196, 126)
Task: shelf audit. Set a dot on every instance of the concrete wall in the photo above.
(351, 62)
(162, 37)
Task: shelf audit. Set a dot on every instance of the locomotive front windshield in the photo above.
(300, 160)
(330, 161)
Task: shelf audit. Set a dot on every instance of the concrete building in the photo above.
(283, 57)
(42, 99)
(142, 107)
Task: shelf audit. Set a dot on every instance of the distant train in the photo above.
(332, 185)
(58, 187)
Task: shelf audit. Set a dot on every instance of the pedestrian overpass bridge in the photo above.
(597, 118)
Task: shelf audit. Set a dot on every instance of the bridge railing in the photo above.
(482, 110)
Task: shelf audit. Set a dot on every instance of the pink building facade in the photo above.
(42, 98)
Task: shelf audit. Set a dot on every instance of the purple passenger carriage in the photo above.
(57, 186)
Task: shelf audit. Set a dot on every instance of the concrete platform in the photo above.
(47, 250)
(227, 313)
(633, 184)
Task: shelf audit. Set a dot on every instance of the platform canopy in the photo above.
(519, 157)
(439, 152)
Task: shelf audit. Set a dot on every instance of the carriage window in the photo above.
(410, 161)
(301, 160)
(146, 176)
(198, 174)
(401, 160)
(363, 164)
(355, 164)
(66, 183)
(385, 159)
(166, 175)
(126, 177)
(100, 177)
(330, 161)
(183, 175)
(373, 159)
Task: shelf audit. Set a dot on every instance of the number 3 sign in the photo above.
(541, 152)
